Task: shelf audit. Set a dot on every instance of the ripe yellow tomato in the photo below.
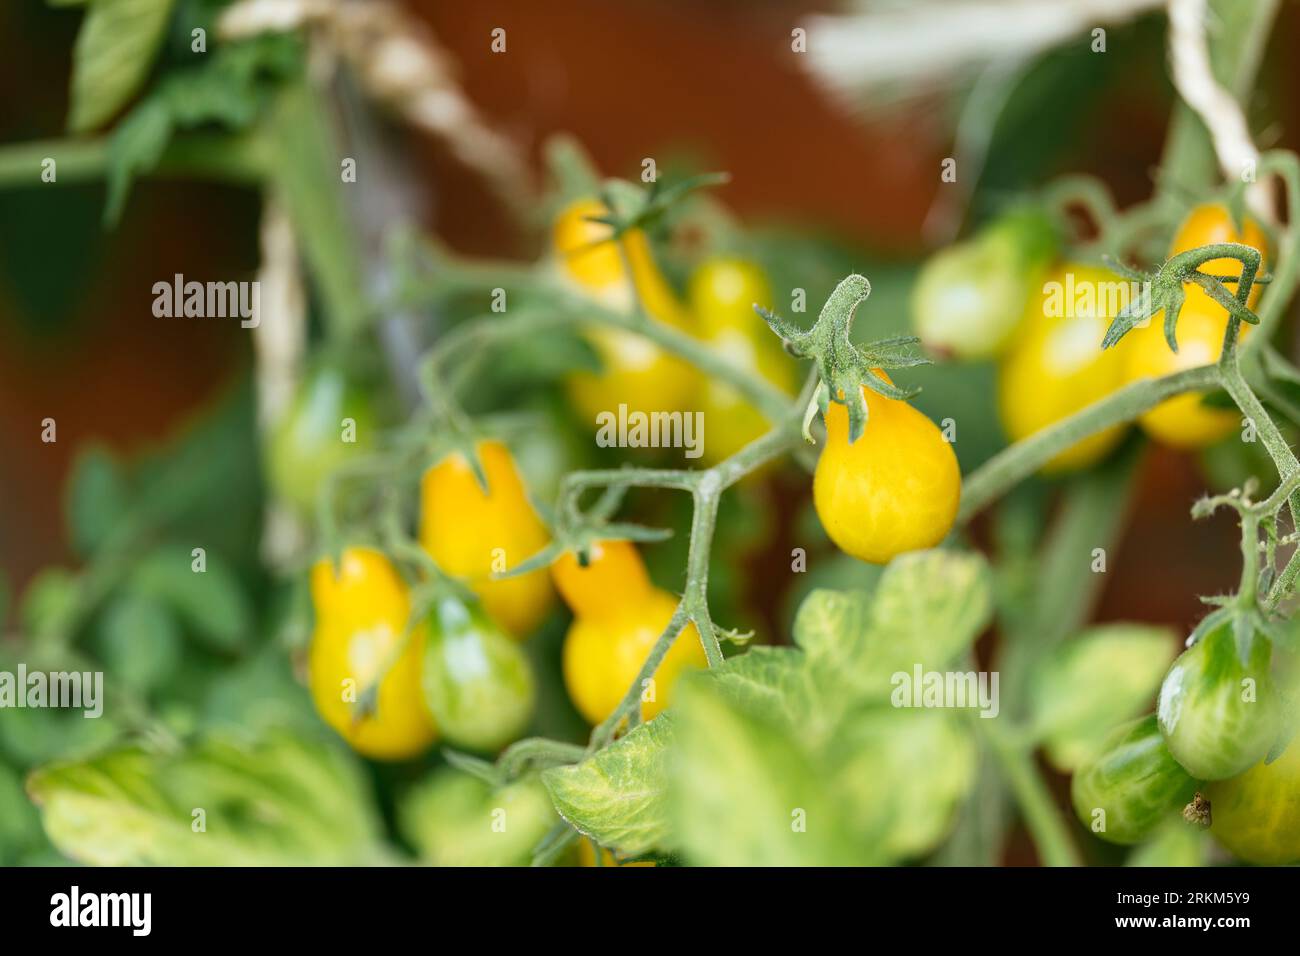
(614, 577)
(895, 489)
(362, 614)
(722, 294)
(1056, 365)
(635, 371)
(1256, 816)
(472, 535)
(1207, 225)
(1183, 421)
(603, 655)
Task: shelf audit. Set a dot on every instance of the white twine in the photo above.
(1218, 109)
(399, 64)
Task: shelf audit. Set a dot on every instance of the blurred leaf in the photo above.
(139, 642)
(1176, 843)
(276, 800)
(903, 774)
(116, 47)
(50, 602)
(229, 89)
(744, 793)
(212, 602)
(927, 608)
(1092, 684)
(96, 498)
(616, 797)
(19, 825)
(454, 819)
(258, 692)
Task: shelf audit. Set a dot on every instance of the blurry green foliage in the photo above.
(789, 756)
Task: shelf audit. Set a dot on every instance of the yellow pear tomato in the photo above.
(1056, 365)
(362, 613)
(472, 535)
(895, 489)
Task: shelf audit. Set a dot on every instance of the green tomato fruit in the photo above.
(477, 682)
(331, 420)
(1131, 786)
(1256, 816)
(970, 298)
(1218, 717)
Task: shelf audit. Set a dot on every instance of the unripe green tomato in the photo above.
(1131, 785)
(1219, 718)
(477, 682)
(1256, 816)
(970, 298)
(331, 421)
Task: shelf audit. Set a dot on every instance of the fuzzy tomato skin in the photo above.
(895, 489)
(361, 615)
(1134, 780)
(1209, 728)
(471, 534)
(477, 682)
(603, 655)
(1256, 816)
(634, 371)
(1056, 366)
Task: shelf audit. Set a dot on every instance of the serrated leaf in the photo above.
(617, 796)
(744, 792)
(1090, 685)
(768, 680)
(116, 46)
(260, 797)
(927, 608)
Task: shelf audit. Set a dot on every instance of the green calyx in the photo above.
(843, 367)
(1163, 289)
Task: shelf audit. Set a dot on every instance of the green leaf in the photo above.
(1089, 686)
(19, 826)
(229, 89)
(116, 47)
(96, 498)
(280, 799)
(927, 608)
(454, 819)
(49, 603)
(775, 682)
(212, 602)
(617, 796)
(139, 642)
(903, 774)
(745, 793)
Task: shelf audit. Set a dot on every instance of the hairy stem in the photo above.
(1017, 462)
